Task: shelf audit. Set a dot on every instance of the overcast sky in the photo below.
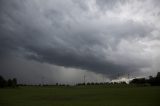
(49, 41)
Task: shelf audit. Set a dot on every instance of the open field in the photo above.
(80, 96)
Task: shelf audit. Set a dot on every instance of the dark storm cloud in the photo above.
(98, 36)
(71, 59)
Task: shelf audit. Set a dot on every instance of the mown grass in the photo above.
(80, 96)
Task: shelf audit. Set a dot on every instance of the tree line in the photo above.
(8, 83)
(151, 81)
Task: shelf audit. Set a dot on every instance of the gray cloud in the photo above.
(107, 37)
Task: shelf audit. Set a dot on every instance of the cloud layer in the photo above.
(101, 36)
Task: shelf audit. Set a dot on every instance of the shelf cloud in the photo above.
(101, 36)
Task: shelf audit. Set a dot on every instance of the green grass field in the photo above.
(80, 96)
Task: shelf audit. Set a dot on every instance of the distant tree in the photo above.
(2, 82)
(153, 81)
(83, 83)
(158, 79)
(92, 83)
(158, 75)
(123, 83)
(57, 84)
(14, 82)
(150, 77)
(10, 83)
(101, 83)
(138, 81)
(88, 83)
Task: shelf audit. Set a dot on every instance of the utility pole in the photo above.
(42, 78)
(84, 79)
(103, 80)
